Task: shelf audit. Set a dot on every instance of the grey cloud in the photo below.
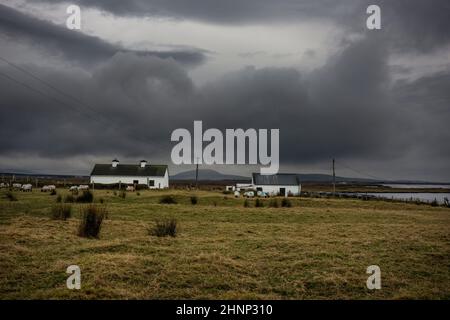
(74, 45)
(132, 96)
(348, 109)
(407, 24)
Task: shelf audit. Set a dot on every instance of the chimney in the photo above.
(115, 162)
(143, 163)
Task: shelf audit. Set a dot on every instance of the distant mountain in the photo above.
(318, 177)
(207, 175)
(212, 175)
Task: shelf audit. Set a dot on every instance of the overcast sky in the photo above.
(376, 100)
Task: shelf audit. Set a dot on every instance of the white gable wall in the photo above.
(160, 182)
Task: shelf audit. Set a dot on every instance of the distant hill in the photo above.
(212, 175)
(207, 175)
(318, 177)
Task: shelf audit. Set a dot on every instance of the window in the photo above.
(151, 183)
(135, 181)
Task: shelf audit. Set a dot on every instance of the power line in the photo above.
(41, 93)
(92, 109)
(360, 172)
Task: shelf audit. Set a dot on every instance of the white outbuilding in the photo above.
(282, 184)
(154, 176)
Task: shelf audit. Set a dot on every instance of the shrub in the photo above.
(11, 196)
(53, 192)
(227, 192)
(274, 203)
(69, 198)
(246, 203)
(61, 211)
(85, 197)
(91, 221)
(286, 203)
(434, 203)
(169, 199)
(59, 198)
(115, 193)
(194, 200)
(163, 228)
(101, 200)
(138, 193)
(122, 194)
(259, 203)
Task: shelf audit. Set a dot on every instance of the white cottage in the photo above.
(154, 176)
(282, 184)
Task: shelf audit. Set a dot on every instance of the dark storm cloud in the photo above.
(349, 108)
(335, 110)
(74, 46)
(344, 109)
(407, 24)
(133, 97)
(223, 12)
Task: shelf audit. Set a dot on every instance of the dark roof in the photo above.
(129, 170)
(282, 179)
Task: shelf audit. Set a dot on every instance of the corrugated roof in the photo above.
(129, 170)
(282, 179)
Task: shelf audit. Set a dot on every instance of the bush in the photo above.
(286, 203)
(91, 221)
(11, 196)
(101, 200)
(69, 198)
(85, 197)
(59, 198)
(53, 192)
(138, 193)
(259, 203)
(122, 194)
(274, 203)
(61, 211)
(163, 228)
(194, 200)
(227, 192)
(434, 203)
(246, 203)
(169, 199)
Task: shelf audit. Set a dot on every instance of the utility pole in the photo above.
(196, 175)
(334, 180)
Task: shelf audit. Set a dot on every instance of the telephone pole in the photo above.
(196, 175)
(334, 180)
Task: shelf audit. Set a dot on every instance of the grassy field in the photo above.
(317, 249)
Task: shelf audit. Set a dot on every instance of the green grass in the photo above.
(316, 249)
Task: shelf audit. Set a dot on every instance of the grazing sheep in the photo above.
(45, 189)
(27, 188)
(130, 188)
(17, 186)
(73, 188)
(83, 187)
